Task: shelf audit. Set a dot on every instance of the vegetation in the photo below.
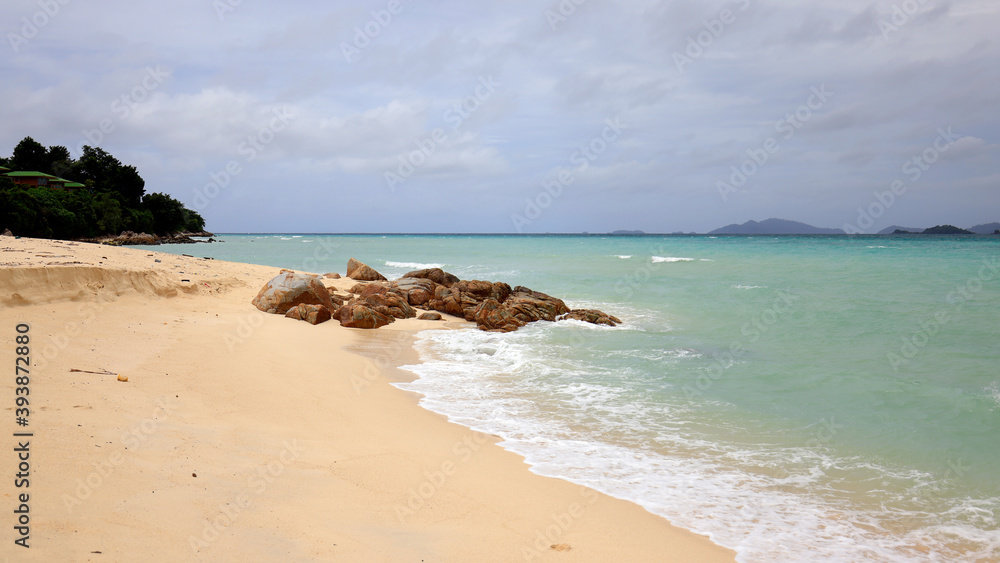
(114, 200)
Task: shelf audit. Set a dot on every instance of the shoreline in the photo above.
(235, 431)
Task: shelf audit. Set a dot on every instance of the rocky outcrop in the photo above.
(7, 233)
(494, 316)
(436, 275)
(129, 238)
(288, 290)
(376, 302)
(359, 315)
(362, 272)
(416, 291)
(312, 314)
(592, 316)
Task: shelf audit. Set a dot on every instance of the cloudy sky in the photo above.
(523, 115)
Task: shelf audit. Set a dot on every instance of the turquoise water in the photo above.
(794, 398)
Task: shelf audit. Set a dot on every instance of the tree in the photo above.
(168, 213)
(129, 186)
(193, 222)
(58, 162)
(29, 155)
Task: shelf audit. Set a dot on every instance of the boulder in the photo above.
(592, 316)
(332, 275)
(430, 317)
(312, 314)
(416, 291)
(7, 233)
(360, 315)
(362, 272)
(436, 275)
(530, 306)
(387, 303)
(290, 289)
(494, 316)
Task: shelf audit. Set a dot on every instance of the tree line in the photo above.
(113, 201)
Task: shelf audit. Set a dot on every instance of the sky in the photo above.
(523, 116)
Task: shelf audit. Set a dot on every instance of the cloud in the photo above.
(225, 75)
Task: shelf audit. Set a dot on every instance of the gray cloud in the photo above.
(896, 78)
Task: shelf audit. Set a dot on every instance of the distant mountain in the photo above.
(774, 227)
(987, 229)
(894, 228)
(627, 233)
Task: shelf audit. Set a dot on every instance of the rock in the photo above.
(332, 276)
(290, 289)
(592, 316)
(359, 315)
(436, 275)
(417, 291)
(360, 271)
(7, 233)
(530, 306)
(337, 300)
(312, 314)
(386, 303)
(430, 317)
(493, 316)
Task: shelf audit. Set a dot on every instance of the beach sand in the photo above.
(242, 436)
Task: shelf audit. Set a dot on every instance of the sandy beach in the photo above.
(243, 436)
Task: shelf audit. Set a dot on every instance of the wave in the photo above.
(769, 502)
(413, 265)
(659, 259)
(624, 256)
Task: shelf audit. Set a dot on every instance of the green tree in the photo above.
(168, 213)
(111, 218)
(193, 222)
(29, 155)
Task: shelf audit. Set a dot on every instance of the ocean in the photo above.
(825, 398)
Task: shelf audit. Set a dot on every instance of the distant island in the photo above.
(774, 227)
(627, 233)
(938, 230)
(786, 227)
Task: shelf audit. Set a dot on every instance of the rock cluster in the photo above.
(375, 302)
(128, 238)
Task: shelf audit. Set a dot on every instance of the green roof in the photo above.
(30, 175)
(2, 169)
(75, 185)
